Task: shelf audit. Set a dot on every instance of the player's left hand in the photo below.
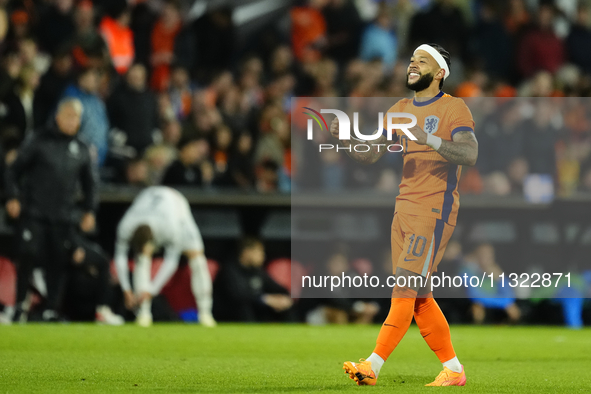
(144, 296)
(419, 134)
(87, 222)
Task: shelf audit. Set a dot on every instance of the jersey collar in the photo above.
(423, 103)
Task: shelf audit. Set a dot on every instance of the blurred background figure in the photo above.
(498, 295)
(343, 306)
(88, 292)
(160, 217)
(114, 28)
(244, 292)
(132, 109)
(41, 187)
(94, 126)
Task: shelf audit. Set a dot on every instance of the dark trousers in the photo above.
(43, 244)
(88, 282)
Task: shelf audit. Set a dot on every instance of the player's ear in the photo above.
(439, 75)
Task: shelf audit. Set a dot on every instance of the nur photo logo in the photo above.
(344, 125)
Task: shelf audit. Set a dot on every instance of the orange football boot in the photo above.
(361, 372)
(447, 377)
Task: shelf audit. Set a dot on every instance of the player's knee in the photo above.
(408, 282)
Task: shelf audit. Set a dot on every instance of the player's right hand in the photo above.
(334, 128)
(13, 208)
(278, 302)
(129, 299)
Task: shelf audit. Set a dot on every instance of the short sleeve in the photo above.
(461, 118)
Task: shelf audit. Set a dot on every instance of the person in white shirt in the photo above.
(160, 217)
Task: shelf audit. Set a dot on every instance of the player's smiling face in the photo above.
(421, 70)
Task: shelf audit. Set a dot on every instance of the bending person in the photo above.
(160, 217)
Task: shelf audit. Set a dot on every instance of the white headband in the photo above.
(437, 56)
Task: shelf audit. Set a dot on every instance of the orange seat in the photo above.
(284, 271)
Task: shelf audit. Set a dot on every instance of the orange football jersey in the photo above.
(429, 185)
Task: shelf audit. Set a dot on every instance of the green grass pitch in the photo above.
(179, 358)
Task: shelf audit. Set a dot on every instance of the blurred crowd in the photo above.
(178, 101)
(165, 100)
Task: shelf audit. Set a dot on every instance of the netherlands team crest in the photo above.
(431, 124)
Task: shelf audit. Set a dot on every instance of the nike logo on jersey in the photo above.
(407, 259)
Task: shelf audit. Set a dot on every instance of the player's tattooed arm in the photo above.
(377, 147)
(463, 150)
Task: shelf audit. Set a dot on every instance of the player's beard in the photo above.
(423, 83)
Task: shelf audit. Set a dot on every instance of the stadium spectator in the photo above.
(94, 127)
(137, 173)
(11, 68)
(18, 28)
(20, 107)
(55, 26)
(379, 42)
(343, 306)
(244, 291)
(132, 108)
(214, 35)
(343, 30)
(190, 169)
(235, 111)
(579, 38)
(308, 31)
(491, 44)
(281, 62)
(497, 296)
(88, 47)
(443, 23)
(158, 158)
(52, 86)
(54, 161)
(540, 48)
(516, 17)
(30, 55)
(541, 155)
(180, 92)
(163, 36)
(240, 164)
(143, 17)
(220, 153)
(115, 30)
(249, 81)
(401, 14)
(502, 133)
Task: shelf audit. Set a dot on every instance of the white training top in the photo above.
(167, 213)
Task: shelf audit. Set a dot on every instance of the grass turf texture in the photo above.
(170, 358)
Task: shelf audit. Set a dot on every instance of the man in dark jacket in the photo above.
(43, 184)
(188, 170)
(132, 109)
(245, 292)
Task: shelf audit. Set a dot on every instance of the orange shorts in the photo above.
(418, 242)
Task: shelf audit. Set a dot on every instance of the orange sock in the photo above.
(395, 326)
(434, 327)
